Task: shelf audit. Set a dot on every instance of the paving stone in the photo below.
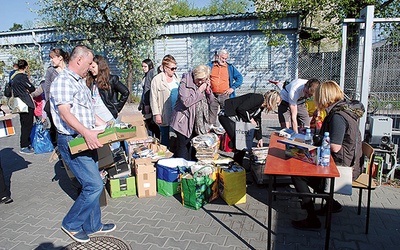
(180, 244)
(219, 247)
(199, 246)
(33, 220)
(208, 229)
(171, 234)
(214, 238)
(159, 241)
(197, 237)
(171, 225)
(186, 227)
(148, 229)
(130, 227)
(27, 238)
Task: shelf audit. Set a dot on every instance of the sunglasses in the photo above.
(173, 68)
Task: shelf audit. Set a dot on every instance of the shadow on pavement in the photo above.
(10, 162)
(70, 187)
(48, 246)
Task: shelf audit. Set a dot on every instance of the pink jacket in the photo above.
(183, 116)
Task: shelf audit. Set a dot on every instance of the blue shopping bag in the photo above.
(40, 139)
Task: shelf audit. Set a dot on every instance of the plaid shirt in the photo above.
(69, 88)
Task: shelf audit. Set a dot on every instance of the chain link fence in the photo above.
(384, 89)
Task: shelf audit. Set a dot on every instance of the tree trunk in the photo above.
(130, 79)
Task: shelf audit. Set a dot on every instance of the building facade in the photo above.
(193, 41)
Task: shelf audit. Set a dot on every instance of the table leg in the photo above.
(270, 183)
(329, 214)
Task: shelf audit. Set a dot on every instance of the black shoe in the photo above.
(6, 200)
(336, 208)
(307, 224)
(238, 156)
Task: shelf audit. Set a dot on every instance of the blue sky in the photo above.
(18, 11)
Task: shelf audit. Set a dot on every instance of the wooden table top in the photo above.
(278, 164)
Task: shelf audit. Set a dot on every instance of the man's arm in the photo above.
(237, 80)
(335, 147)
(293, 117)
(89, 135)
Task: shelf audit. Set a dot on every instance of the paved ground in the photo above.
(42, 195)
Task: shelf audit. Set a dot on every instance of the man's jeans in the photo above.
(85, 213)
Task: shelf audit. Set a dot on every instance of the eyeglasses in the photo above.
(173, 68)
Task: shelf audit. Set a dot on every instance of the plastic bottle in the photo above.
(325, 150)
(308, 137)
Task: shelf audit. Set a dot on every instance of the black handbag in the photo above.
(7, 90)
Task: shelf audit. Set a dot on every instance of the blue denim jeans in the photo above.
(85, 213)
(164, 131)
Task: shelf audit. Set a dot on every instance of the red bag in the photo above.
(224, 144)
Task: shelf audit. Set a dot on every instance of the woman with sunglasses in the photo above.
(163, 95)
(191, 113)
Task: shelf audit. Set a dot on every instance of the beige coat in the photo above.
(160, 101)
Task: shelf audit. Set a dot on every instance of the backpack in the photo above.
(7, 90)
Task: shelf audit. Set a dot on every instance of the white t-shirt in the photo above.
(292, 92)
(100, 108)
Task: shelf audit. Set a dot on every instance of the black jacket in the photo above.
(116, 97)
(22, 88)
(246, 107)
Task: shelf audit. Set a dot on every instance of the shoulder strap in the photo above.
(15, 73)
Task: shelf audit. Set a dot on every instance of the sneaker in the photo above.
(106, 228)
(80, 236)
(336, 208)
(27, 151)
(307, 224)
(6, 200)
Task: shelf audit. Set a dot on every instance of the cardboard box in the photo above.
(105, 155)
(301, 151)
(105, 160)
(120, 170)
(142, 137)
(145, 177)
(6, 126)
(121, 187)
(110, 135)
(136, 120)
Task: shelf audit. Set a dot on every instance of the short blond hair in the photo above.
(328, 93)
(201, 72)
(272, 99)
(168, 60)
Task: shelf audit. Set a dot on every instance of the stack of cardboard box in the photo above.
(121, 180)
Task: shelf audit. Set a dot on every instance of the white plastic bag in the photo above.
(244, 133)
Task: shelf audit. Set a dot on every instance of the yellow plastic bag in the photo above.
(232, 184)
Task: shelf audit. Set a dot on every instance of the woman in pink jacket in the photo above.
(191, 113)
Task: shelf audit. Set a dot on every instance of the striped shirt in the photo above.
(70, 88)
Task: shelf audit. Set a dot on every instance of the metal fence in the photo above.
(384, 89)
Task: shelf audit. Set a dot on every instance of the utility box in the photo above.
(380, 130)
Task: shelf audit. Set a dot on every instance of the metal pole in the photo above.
(368, 12)
(344, 47)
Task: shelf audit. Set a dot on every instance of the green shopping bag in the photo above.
(197, 189)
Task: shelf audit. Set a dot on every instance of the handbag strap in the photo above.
(197, 172)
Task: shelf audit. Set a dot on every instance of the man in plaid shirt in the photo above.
(73, 114)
